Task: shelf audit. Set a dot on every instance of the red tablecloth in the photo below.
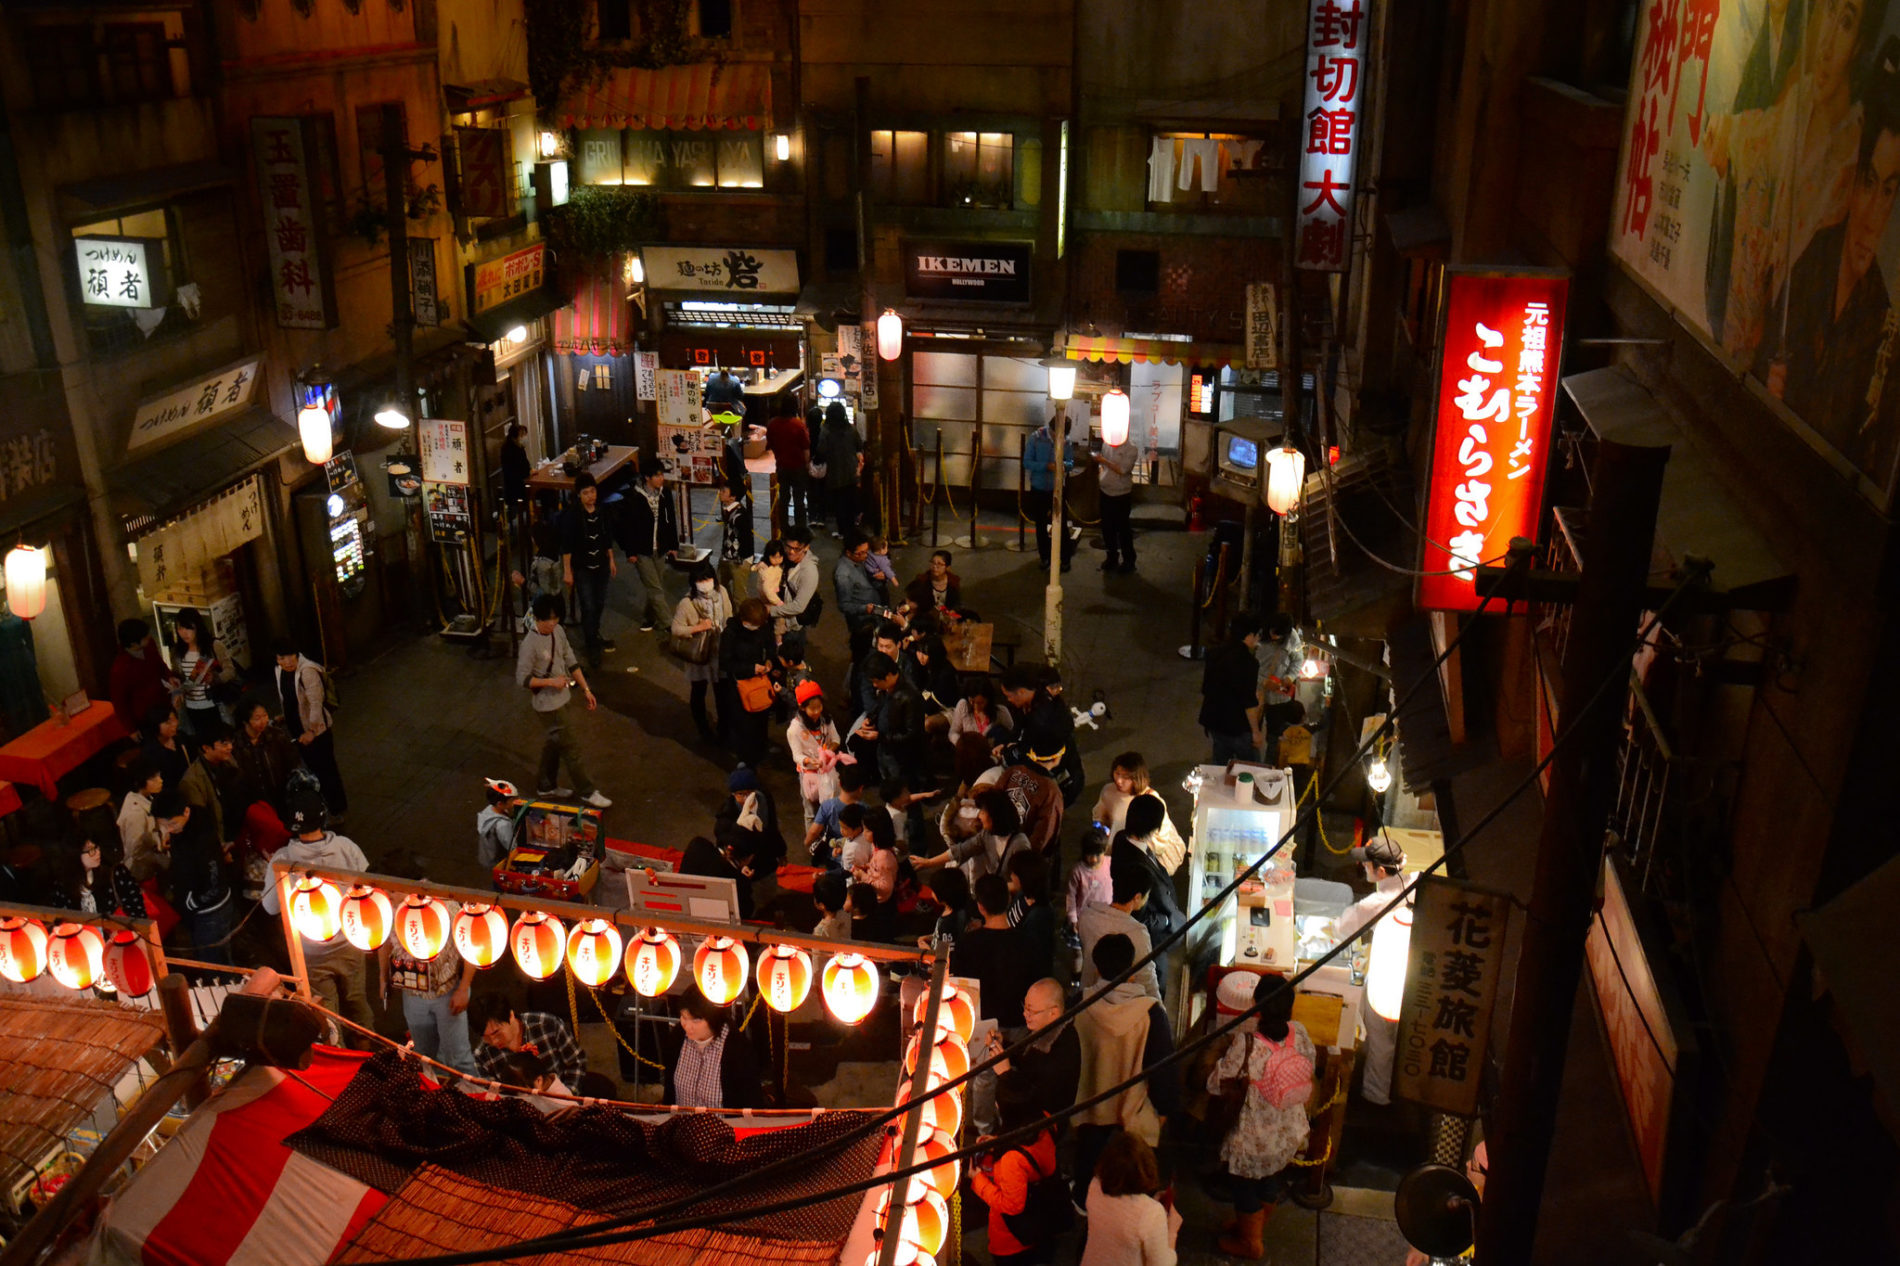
(9, 799)
(49, 751)
(794, 878)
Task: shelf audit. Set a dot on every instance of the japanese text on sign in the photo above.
(116, 272)
(1644, 1046)
(444, 450)
(298, 282)
(645, 366)
(449, 517)
(211, 397)
(693, 455)
(677, 391)
(423, 298)
(720, 268)
(515, 274)
(1503, 339)
(1263, 326)
(1336, 41)
(1451, 983)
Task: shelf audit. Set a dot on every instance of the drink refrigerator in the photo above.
(1235, 823)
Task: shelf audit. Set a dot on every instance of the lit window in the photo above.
(979, 169)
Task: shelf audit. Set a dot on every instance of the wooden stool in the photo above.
(88, 800)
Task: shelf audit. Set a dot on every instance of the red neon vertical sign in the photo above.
(1497, 383)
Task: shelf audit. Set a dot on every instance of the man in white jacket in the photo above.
(1382, 859)
(299, 683)
(335, 966)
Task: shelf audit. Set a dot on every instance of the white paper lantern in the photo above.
(1115, 418)
(1061, 379)
(890, 335)
(1385, 972)
(313, 428)
(26, 581)
(1286, 475)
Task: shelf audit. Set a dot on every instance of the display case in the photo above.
(556, 852)
(1238, 818)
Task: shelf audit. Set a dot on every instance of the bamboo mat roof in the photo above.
(59, 1057)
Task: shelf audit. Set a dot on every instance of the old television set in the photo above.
(1239, 446)
(1239, 457)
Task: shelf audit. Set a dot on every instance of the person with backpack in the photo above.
(1270, 1070)
(1027, 1197)
(303, 686)
(1124, 1032)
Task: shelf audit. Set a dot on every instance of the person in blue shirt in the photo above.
(862, 599)
(1039, 459)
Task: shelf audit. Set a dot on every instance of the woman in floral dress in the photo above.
(1276, 1057)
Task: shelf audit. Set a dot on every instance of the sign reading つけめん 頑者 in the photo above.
(122, 272)
(211, 397)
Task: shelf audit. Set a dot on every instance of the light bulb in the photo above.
(1378, 776)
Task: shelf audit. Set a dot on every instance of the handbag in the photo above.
(694, 648)
(756, 693)
(819, 469)
(1224, 1104)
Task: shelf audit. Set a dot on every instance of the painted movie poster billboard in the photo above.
(1755, 194)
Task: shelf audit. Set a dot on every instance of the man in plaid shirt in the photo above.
(503, 1033)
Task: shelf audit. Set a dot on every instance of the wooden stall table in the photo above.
(551, 478)
(51, 750)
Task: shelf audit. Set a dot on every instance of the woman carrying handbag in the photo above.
(698, 622)
(747, 657)
(1268, 1068)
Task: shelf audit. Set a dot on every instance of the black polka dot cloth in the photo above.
(386, 1123)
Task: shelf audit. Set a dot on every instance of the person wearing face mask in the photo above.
(812, 739)
(711, 1064)
(1382, 860)
(698, 623)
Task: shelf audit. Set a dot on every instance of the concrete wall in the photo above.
(938, 56)
(1186, 59)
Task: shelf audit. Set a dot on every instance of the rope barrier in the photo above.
(614, 1028)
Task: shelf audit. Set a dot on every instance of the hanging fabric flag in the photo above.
(1161, 170)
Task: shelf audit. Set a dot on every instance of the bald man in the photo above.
(1046, 1073)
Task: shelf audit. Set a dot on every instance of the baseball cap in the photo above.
(306, 812)
(742, 779)
(1380, 850)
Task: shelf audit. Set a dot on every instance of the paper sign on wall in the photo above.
(444, 443)
(677, 393)
(645, 366)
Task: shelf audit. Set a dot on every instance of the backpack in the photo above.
(1048, 1210)
(330, 701)
(813, 609)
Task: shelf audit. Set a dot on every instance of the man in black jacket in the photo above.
(1230, 708)
(898, 727)
(1044, 1076)
(587, 560)
(1161, 914)
(650, 536)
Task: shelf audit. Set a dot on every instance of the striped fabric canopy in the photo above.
(600, 320)
(1080, 347)
(707, 95)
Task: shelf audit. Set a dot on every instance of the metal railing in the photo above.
(1564, 554)
(1647, 773)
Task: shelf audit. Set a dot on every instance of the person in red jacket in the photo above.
(790, 444)
(139, 679)
(1002, 1180)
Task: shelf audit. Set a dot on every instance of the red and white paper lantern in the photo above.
(538, 941)
(481, 934)
(785, 977)
(719, 967)
(367, 917)
(653, 962)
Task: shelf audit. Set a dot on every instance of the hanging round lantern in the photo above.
(313, 428)
(75, 955)
(955, 1014)
(653, 962)
(422, 925)
(926, 1218)
(1115, 418)
(1385, 968)
(127, 968)
(22, 950)
(481, 934)
(850, 984)
(719, 967)
(367, 917)
(934, 1145)
(593, 952)
(908, 1254)
(890, 335)
(941, 1111)
(26, 581)
(316, 908)
(785, 977)
(1286, 476)
(948, 1056)
(538, 941)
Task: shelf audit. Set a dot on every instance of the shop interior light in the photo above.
(890, 335)
(785, 978)
(1378, 776)
(593, 952)
(1115, 418)
(423, 926)
(481, 934)
(1061, 377)
(830, 388)
(75, 955)
(550, 144)
(22, 950)
(636, 269)
(518, 335)
(368, 917)
(653, 962)
(26, 581)
(782, 146)
(850, 986)
(538, 941)
(1385, 968)
(719, 968)
(1286, 476)
(316, 908)
(1312, 667)
(313, 428)
(391, 417)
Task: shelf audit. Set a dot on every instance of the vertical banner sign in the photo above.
(851, 354)
(867, 386)
(444, 446)
(299, 268)
(486, 171)
(423, 298)
(1336, 40)
(645, 366)
(677, 391)
(1451, 983)
(1496, 379)
(1263, 326)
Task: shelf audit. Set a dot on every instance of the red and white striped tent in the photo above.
(226, 1191)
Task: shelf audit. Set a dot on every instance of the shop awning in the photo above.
(154, 488)
(482, 94)
(1697, 516)
(600, 320)
(493, 325)
(1083, 347)
(1354, 530)
(1426, 750)
(148, 185)
(735, 96)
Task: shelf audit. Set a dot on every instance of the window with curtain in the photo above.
(900, 167)
(979, 169)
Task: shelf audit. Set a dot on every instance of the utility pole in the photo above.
(1627, 484)
(1052, 594)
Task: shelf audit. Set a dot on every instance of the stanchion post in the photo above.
(936, 491)
(1022, 473)
(1193, 648)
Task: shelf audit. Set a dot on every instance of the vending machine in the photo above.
(1240, 813)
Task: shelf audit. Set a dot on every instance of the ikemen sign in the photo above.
(1497, 379)
(993, 272)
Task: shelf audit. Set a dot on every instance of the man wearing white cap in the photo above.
(1382, 860)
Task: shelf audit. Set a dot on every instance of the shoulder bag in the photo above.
(1225, 1104)
(756, 693)
(694, 648)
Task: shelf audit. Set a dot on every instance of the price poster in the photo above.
(645, 366)
(444, 445)
(449, 517)
(678, 395)
(693, 454)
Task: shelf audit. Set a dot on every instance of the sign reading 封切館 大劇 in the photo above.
(1497, 380)
(984, 272)
(1337, 39)
(1761, 146)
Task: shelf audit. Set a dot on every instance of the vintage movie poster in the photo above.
(1755, 195)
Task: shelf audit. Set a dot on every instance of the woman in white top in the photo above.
(1128, 778)
(812, 739)
(979, 712)
(1127, 1225)
(146, 837)
(196, 657)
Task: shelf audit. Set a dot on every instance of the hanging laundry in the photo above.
(1161, 170)
(1207, 152)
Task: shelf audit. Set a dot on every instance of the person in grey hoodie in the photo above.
(335, 967)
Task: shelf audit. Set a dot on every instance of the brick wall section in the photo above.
(1203, 284)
